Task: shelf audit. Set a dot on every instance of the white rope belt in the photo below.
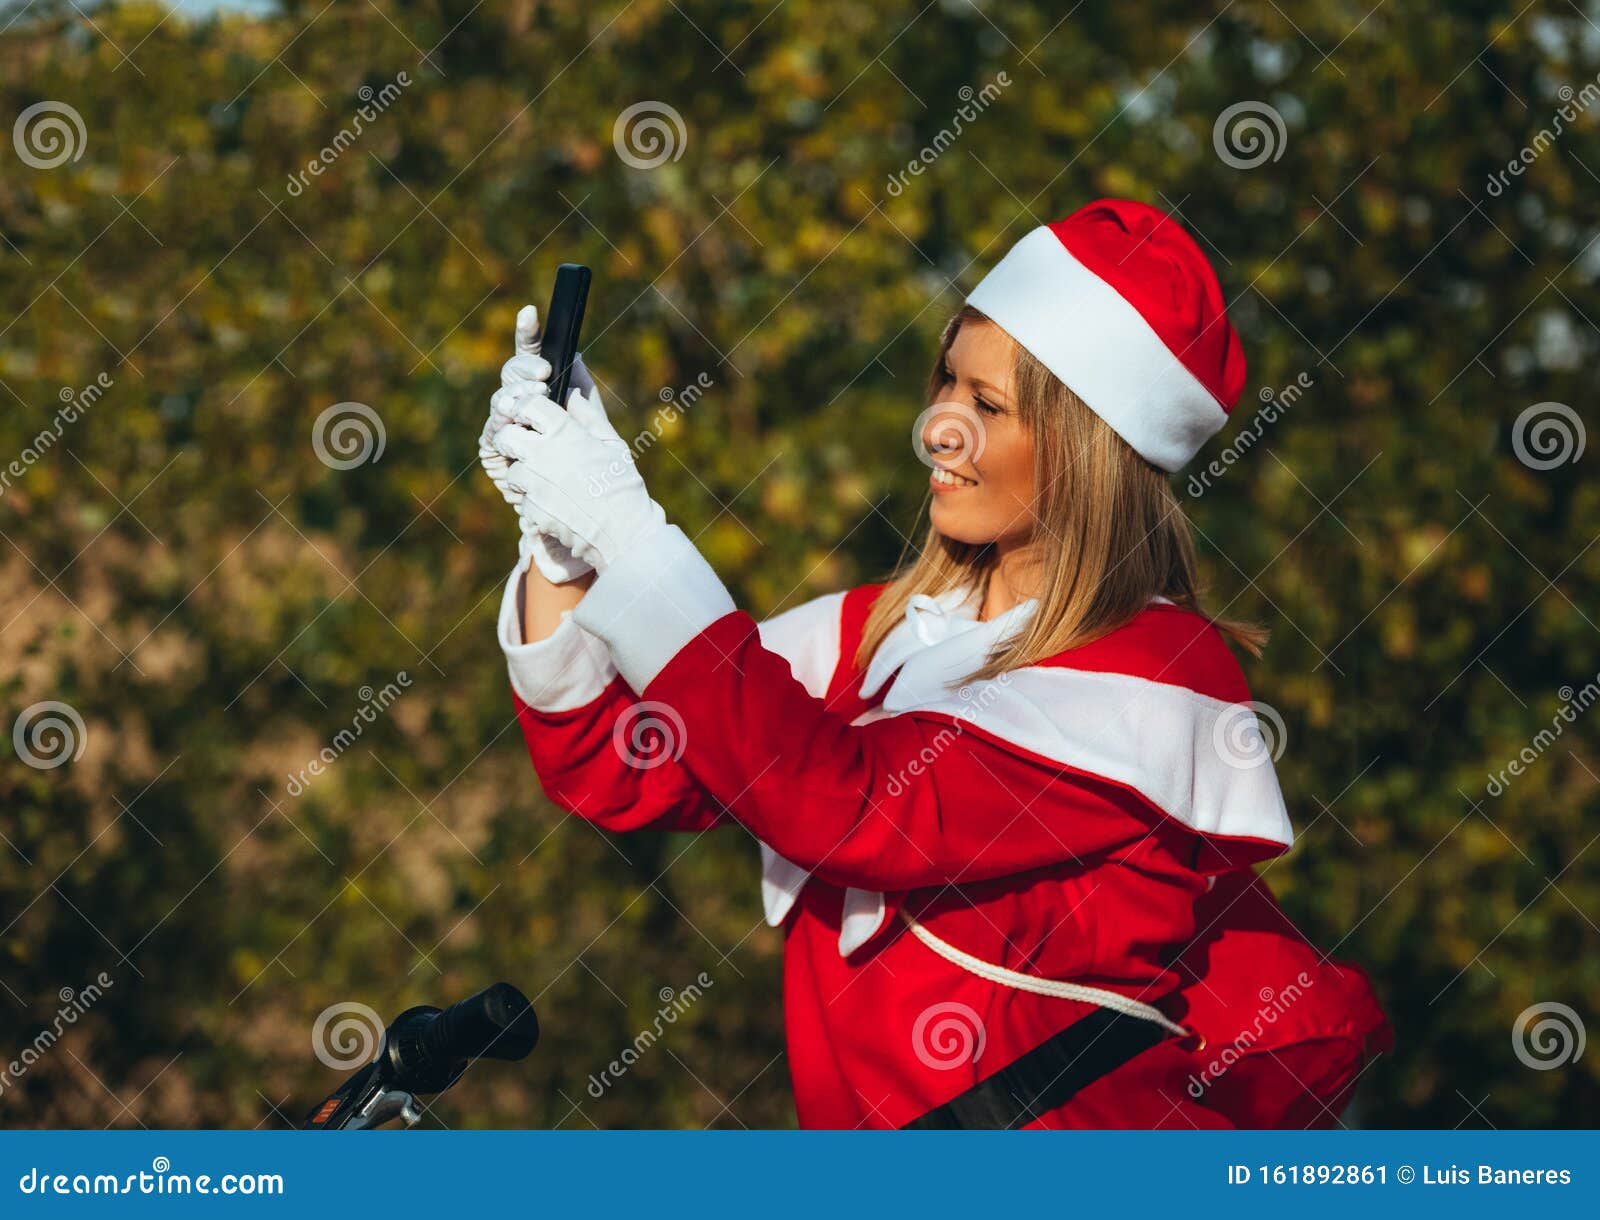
(1047, 987)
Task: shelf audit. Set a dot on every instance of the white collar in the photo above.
(939, 644)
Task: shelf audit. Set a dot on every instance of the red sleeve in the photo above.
(615, 762)
(895, 804)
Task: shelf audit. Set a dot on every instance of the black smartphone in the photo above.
(562, 321)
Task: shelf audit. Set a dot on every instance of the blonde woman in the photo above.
(1007, 803)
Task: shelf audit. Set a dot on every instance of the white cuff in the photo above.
(652, 601)
(563, 671)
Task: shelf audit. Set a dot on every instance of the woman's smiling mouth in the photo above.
(948, 480)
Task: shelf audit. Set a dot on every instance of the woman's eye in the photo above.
(988, 408)
(945, 375)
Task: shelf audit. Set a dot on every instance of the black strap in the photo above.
(1046, 1076)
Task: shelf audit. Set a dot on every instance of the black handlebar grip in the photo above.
(497, 1023)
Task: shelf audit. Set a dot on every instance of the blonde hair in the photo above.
(1110, 533)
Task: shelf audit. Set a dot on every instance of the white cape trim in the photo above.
(1202, 762)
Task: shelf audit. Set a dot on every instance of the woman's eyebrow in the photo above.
(989, 385)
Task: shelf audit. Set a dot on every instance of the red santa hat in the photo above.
(1119, 302)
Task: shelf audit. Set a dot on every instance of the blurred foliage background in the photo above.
(213, 600)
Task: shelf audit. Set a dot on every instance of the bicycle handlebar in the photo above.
(425, 1050)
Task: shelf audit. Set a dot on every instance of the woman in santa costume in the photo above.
(1008, 803)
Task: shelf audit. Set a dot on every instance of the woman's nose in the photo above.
(940, 434)
(949, 432)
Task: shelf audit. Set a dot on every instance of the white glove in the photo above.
(528, 374)
(577, 477)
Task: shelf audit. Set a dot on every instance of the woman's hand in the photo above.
(577, 477)
(527, 375)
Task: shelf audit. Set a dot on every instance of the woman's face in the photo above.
(982, 455)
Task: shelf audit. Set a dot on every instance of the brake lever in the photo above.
(388, 1104)
(367, 1100)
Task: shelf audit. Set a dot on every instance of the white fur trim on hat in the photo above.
(1087, 334)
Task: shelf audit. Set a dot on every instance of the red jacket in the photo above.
(1090, 819)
